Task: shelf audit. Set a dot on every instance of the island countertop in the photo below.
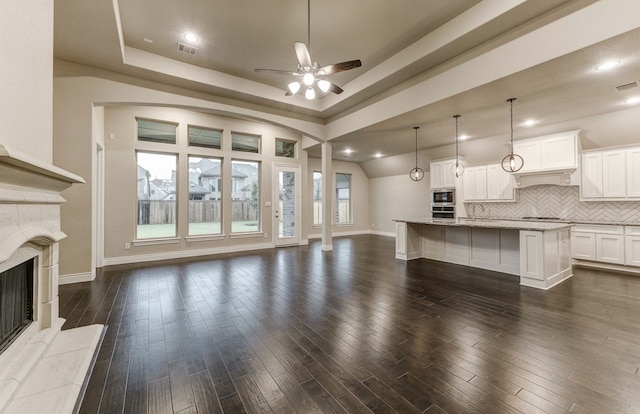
(490, 223)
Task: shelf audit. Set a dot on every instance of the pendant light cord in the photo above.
(416, 128)
(511, 102)
(456, 117)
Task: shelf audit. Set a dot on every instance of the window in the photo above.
(343, 199)
(317, 198)
(245, 143)
(156, 131)
(156, 195)
(205, 206)
(245, 196)
(285, 148)
(205, 137)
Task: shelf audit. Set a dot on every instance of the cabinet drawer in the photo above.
(632, 230)
(598, 228)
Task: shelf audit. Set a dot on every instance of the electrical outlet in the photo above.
(127, 246)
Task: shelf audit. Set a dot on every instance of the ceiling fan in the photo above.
(310, 73)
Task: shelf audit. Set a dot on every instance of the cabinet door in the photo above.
(401, 238)
(610, 248)
(435, 174)
(591, 175)
(633, 173)
(469, 185)
(632, 250)
(559, 152)
(531, 155)
(448, 178)
(480, 182)
(499, 183)
(583, 246)
(614, 174)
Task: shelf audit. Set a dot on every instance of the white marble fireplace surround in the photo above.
(44, 369)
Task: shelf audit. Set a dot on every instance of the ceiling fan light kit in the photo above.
(311, 72)
(512, 162)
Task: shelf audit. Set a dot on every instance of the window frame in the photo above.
(337, 200)
(220, 191)
(259, 211)
(313, 199)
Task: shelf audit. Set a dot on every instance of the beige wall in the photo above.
(121, 179)
(397, 197)
(26, 73)
(359, 198)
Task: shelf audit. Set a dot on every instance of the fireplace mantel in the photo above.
(30, 202)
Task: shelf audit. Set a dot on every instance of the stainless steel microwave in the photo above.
(443, 196)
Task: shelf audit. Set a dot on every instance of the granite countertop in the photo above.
(491, 223)
(561, 220)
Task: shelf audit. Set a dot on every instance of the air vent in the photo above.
(627, 86)
(187, 49)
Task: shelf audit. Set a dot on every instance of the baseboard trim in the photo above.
(383, 233)
(606, 266)
(182, 254)
(76, 278)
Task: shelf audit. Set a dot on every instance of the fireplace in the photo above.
(16, 302)
(38, 360)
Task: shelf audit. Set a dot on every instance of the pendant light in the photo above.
(457, 169)
(512, 162)
(416, 174)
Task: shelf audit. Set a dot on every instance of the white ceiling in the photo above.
(401, 44)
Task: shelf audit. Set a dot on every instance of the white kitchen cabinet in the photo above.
(614, 174)
(599, 243)
(610, 248)
(441, 175)
(550, 152)
(591, 175)
(632, 246)
(487, 183)
(583, 245)
(544, 258)
(633, 172)
(500, 184)
(408, 240)
(611, 174)
(475, 183)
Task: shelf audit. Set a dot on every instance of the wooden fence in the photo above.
(200, 211)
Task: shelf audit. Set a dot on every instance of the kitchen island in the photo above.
(538, 252)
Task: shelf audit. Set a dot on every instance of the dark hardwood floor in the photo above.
(353, 330)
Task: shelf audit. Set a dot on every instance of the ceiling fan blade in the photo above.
(277, 71)
(335, 88)
(339, 67)
(303, 54)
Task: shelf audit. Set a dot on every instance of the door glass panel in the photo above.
(287, 207)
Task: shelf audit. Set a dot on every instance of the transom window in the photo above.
(285, 148)
(156, 131)
(205, 137)
(245, 142)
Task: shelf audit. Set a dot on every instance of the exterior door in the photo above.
(286, 207)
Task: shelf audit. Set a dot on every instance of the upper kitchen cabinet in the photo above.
(441, 175)
(488, 183)
(548, 153)
(612, 174)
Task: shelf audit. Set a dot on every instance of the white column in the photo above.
(327, 197)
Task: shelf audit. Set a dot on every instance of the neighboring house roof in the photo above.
(215, 172)
(195, 189)
(143, 173)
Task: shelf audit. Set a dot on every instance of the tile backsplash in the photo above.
(563, 202)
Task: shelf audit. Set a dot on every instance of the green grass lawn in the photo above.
(153, 231)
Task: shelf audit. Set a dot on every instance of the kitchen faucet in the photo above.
(473, 210)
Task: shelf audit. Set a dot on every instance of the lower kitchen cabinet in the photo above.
(632, 246)
(598, 243)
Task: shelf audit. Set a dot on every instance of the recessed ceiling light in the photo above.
(377, 155)
(348, 151)
(609, 64)
(146, 39)
(191, 38)
(529, 122)
(463, 137)
(632, 100)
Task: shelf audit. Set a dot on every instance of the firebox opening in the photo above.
(16, 302)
